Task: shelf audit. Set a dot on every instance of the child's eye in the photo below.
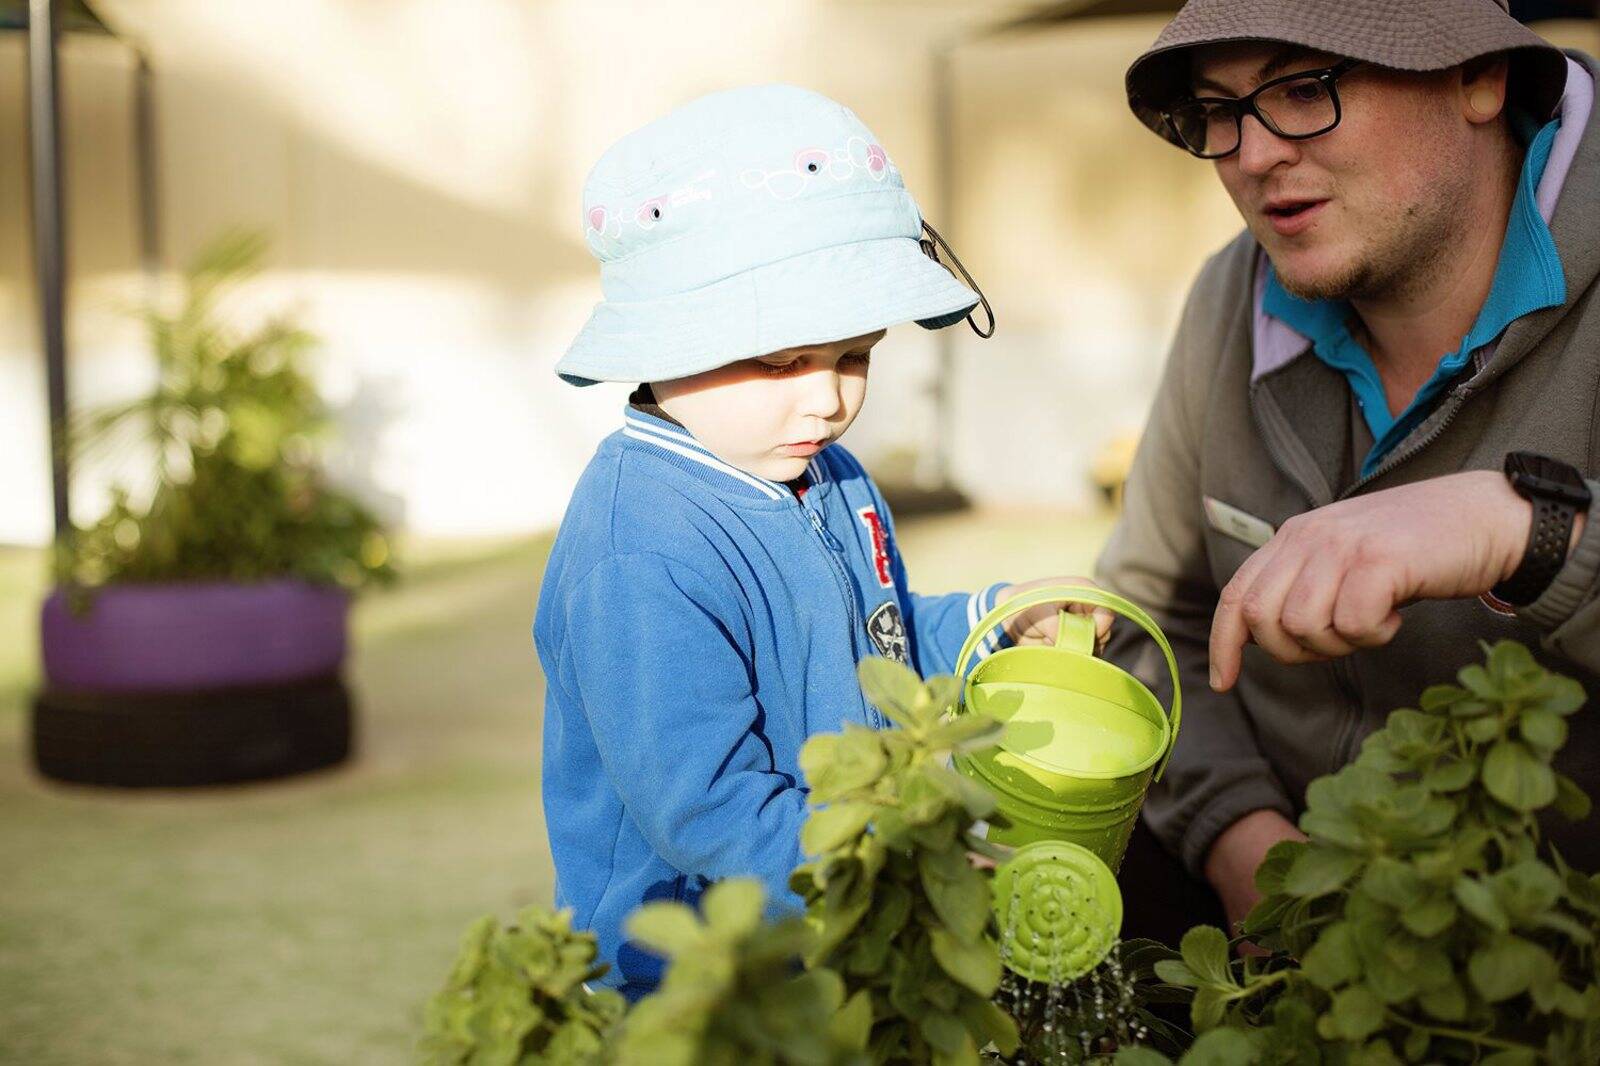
(855, 359)
(779, 370)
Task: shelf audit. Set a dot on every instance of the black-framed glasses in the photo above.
(1295, 107)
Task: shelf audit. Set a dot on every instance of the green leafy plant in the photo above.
(1423, 921)
(516, 996)
(232, 423)
(900, 911)
(733, 992)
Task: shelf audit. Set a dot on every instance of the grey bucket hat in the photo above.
(1416, 35)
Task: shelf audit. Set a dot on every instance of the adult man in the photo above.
(1321, 478)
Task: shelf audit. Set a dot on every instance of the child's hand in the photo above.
(1038, 625)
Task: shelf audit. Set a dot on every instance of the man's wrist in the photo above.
(1517, 521)
(1231, 863)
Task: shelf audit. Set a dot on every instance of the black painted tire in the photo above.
(155, 740)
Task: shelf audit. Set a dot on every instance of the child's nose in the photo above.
(820, 393)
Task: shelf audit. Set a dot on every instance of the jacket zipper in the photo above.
(1458, 397)
(1343, 749)
(831, 550)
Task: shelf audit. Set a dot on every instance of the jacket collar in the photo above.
(669, 440)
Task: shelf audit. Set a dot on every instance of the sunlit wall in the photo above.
(419, 165)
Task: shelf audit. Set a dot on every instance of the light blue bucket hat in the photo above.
(746, 222)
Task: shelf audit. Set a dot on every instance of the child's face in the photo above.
(769, 415)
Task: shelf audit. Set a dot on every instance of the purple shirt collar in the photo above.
(1276, 343)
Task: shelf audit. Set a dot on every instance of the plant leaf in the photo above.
(1319, 870)
(1205, 952)
(1332, 960)
(1476, 899)
(1507, 966)
(1356, 1013)
(669, 929)
(1572, 801)
(733, 906)
(832, 826)
(1516, 777)
(974, 963)
(891, 687)
(1544, 731)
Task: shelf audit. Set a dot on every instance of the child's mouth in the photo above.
(803, 448)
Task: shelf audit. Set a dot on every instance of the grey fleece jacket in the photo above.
(1278, 443)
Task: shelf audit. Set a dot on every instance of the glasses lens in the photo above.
(1300, 107)
(1206, 128)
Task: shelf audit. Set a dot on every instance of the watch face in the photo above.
(1539, 475)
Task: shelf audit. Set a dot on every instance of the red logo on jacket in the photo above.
(880, 545)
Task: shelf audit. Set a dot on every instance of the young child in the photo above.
(724, 564)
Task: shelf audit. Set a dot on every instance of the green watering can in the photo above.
(1083, 737)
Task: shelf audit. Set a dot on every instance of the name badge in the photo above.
(1232, 522)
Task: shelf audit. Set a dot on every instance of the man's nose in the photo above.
(1260, 149)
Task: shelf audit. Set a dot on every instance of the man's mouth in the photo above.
(1291, 216)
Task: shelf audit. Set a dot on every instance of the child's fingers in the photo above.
(1102, 626)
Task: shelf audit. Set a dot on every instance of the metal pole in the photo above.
(933, 470)
(48, 228)
(147, 192)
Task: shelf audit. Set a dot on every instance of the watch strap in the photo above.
(1548, 536)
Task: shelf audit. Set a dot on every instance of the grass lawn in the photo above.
(306, 921)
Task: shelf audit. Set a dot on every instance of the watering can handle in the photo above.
(1097, 597)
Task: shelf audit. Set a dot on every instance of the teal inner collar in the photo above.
(1527, 278)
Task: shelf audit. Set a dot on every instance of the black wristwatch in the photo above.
(1557, 492)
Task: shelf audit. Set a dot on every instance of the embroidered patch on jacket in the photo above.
(880, 545)
(888, 632)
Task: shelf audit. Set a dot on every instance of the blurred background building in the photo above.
(418, 165)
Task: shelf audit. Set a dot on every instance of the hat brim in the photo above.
(826, 295)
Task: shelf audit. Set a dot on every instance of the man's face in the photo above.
(768, 416)
(1365, 210)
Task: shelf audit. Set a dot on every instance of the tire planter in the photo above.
(193, 684)
(183, 637)
(144, 740)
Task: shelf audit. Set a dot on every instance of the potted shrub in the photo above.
(197, 630)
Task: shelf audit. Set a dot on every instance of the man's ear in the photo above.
(1483, 88)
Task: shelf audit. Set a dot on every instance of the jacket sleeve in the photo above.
(1569, 610)
(657, 658)
(939, 624)
(1156, 557)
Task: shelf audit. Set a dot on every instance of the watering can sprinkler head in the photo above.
(1059, 911)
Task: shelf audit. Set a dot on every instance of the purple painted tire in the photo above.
(184, 637)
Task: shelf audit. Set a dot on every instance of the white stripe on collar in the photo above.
(686, 446)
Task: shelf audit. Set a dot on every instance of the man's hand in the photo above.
(1039, 625)
(1332, 580)
(1234, 856)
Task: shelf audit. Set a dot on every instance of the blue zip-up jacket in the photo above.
(696, 625)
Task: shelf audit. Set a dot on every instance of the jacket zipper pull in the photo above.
(822, 531)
